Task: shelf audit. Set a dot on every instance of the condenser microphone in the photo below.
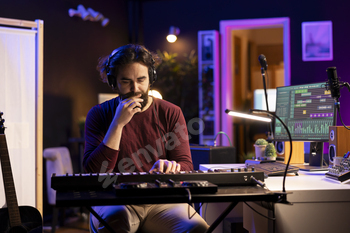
(333, 82)
(263, 62)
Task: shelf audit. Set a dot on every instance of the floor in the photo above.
(76, 224)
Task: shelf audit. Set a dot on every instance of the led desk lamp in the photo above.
(265, 119)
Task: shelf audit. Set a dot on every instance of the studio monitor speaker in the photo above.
(279, 148)
(283, 150)
(212, 155)
(339, 142)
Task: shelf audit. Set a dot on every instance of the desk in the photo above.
(318, 205)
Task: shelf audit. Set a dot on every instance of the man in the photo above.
(137, 133)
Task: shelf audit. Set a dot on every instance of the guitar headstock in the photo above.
(2, 127)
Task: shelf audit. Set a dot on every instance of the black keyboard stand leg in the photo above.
(221, 217)
(100, 219)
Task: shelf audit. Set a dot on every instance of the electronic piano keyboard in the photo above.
(100, 181)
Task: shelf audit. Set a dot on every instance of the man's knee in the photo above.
(120, 218)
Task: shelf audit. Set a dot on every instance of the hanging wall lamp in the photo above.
(173, 33)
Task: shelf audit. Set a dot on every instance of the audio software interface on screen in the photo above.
(307, 110)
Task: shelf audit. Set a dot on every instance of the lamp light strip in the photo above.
(248, 116)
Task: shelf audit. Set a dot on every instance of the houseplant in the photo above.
(260, 146)
(177, 81)
(270, 152)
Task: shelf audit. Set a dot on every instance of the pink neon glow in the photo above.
(226, 26)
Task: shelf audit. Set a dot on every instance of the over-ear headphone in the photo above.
(112, 79)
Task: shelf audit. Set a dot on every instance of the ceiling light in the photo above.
(173, 33)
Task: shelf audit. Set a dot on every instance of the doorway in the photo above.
(240, 69)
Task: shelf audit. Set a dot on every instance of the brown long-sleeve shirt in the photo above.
(143, 139)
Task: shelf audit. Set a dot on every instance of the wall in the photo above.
(71, 50)
(191, 16)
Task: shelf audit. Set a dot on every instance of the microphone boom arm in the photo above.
(263, 63)
(346, 84)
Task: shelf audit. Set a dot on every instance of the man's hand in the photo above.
(124, 113)
(165, 166)
(127, 109)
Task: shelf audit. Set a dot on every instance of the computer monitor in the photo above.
(308, 111)
(102, 97)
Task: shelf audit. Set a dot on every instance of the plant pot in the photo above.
(269, 158)
(260, 151)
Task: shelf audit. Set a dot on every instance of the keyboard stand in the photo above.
(233, 195)
(210, 229)
(221, 217)
(104, 223)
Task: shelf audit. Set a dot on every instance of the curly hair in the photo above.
(124, 55)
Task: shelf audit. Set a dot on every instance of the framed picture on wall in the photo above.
(317, 41)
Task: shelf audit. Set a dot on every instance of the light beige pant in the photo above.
(159, 218)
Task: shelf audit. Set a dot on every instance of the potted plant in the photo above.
(270, 152)
(178, 81)
(260, 146)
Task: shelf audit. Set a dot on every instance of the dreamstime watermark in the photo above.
(170, 140)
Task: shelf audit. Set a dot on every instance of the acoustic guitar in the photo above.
(14, 218)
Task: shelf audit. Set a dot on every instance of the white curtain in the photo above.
(17, 102)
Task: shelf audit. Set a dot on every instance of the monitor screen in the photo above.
(307, 110)
(260, 102)
(102, 97)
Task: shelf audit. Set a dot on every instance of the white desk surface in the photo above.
(318, 204)
(304, 181)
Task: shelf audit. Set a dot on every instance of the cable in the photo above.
(339, 85)
(314, 148)
(200, 206)
(259, 182)
(263, 185)
(338, 106)
(189, 195)
(222, 132)
(189, 202)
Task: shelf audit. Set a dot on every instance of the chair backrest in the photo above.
(58, 161)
